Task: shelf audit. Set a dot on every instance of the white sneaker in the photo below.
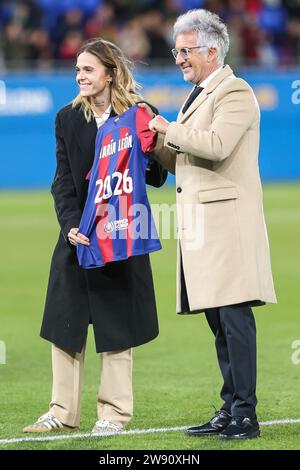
(104, 427)
(47, 423)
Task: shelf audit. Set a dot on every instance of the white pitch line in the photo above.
(280, 421)
(70, 436)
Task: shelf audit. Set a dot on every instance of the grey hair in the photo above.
(211, 31)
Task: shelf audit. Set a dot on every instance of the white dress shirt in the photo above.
(101, 119)
(210, 77)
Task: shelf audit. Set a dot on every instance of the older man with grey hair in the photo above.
(213, 150)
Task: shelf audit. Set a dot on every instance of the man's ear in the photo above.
(211, 54)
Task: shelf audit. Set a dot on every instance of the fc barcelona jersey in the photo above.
(117, 216)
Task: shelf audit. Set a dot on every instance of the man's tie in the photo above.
(196, 91)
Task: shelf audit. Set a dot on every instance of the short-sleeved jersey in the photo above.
(117, 216)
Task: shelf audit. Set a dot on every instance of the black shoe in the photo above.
(219, 422)
(241, 427)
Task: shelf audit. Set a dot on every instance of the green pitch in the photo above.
(176, 377)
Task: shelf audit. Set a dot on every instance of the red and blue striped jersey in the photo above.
(117, 216)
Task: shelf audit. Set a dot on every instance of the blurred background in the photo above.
(38, 44)
(45, 33)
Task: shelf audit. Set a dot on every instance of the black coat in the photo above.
(117, 298)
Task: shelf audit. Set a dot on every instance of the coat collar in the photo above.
(85, 132)
(225, 72)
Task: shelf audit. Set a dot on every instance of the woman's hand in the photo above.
(147, 108)
(75, 237)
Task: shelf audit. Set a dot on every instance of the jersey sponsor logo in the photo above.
(121, 224)
(117, 225)
(109, 227)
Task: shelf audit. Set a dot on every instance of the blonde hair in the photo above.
(124, 88)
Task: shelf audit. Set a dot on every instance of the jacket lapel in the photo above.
(225, 72)
(195, 104)
(85, 134)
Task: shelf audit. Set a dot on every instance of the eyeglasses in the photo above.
(184, 51)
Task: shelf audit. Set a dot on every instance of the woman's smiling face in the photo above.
(91, 75)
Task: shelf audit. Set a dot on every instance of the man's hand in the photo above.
(159, 124)
(75, 237)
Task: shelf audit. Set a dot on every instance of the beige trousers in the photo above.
(115, 398)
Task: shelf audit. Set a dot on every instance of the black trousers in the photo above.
(235, 339)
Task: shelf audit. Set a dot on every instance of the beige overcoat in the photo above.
(213, 150)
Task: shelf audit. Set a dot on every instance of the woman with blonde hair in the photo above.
(118, 298)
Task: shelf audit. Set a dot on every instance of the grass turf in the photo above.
(176, 377)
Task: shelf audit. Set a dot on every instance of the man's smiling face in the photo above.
(195, 66)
